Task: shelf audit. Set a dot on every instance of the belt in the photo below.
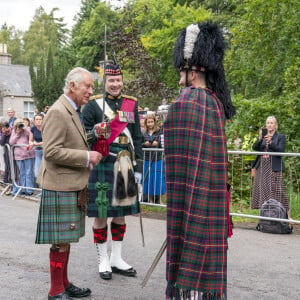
(38, 148)
(123, 140)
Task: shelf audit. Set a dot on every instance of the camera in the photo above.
(264, 131)
(20, 125)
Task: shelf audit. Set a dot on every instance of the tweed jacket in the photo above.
(277, 145)
(65, 149)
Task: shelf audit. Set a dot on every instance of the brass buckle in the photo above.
(123, 153)
(123, 139)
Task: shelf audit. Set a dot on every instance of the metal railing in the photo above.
(12, 170)
(157, 170)
(232, 154)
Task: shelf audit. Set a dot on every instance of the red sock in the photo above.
(57, 261)
(65, 271)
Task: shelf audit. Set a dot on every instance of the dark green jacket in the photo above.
(92, 114)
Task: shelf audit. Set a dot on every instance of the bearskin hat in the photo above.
(201, 47)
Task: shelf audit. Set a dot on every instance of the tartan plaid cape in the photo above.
(196, 177)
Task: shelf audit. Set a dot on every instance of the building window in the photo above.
(28, 110)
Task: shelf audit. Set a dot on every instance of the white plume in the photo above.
(192, 32)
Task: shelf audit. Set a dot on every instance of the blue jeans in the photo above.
(38, 160)
(26, 176)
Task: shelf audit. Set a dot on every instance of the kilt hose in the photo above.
(60, 219)
(104, 172)
(196, 178)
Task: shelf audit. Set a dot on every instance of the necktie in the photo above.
(79, 115)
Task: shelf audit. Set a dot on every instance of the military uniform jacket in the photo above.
(92, 114)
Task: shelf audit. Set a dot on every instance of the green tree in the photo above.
(47, 80)
(13, 39)
(45, 30)
(88, 45)
(264, 41)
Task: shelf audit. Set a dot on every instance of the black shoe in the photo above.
(106, 275)
(61, 296)
(76, 292)
(129, 273)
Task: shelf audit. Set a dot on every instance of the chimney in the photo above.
(5, 58)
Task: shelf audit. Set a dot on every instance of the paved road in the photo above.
(261, 266)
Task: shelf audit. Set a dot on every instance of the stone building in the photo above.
(15, 87)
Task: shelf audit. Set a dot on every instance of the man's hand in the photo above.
(95, 158)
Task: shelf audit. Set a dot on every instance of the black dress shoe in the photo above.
(106, 275)
(76, 292)
(129, 273)
(61, 296)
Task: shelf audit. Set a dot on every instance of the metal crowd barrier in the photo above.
(231, 154)
(12, 170)
(153, 177)
(153, 168)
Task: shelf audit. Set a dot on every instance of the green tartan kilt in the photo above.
(60, 219)
(104, 172)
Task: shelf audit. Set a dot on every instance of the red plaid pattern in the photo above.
(196, 178)
(117, 231)
(100, 235)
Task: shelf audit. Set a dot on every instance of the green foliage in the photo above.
(265, 38)
(13, 39)
(47, 80)
(45, 31)
(88, 45)
(161, 30)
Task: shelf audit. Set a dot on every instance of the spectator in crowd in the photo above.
(46, 108)
(36, 141)
(24, 157)
(154, 176)
(27, 122)
(268, 178)
(4, 140)
(11, 116)
(36, 111)
(142, 122)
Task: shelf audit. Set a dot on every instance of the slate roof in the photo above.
(15, 80)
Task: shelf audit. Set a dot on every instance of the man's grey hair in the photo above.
(75, 76)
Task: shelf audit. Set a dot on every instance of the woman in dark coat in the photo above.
(268, 179)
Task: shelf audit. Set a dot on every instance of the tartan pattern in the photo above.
(268, 185)
(100, 235)
(117, 231)
(196, 178)
(60, 219)
(104, 172)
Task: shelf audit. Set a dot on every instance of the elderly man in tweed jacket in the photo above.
(64, 176)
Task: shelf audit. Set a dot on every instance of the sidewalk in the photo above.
(260, 266)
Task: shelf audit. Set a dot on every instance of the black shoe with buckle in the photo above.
(129, 272)
(61, 296)
(76, 292)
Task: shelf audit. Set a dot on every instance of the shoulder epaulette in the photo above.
(129, 97)
(96, 97)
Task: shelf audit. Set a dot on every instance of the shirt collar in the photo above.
(73, 104)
